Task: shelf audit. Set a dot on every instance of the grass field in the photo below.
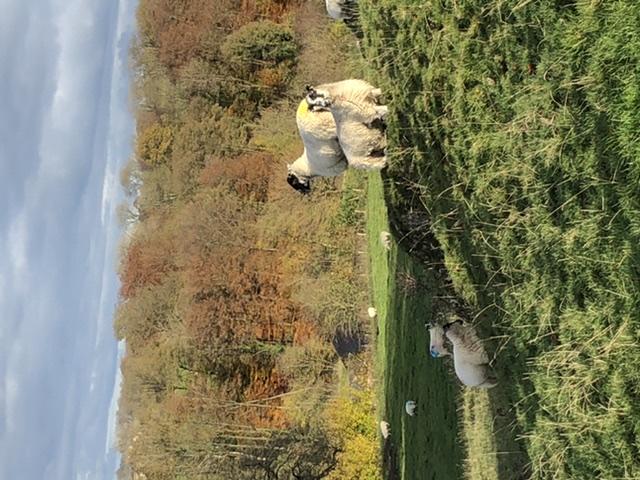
(515, 129)
(426, 446)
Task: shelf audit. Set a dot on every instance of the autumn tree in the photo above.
(218, 342)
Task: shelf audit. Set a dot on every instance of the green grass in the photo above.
(425, 446)
(515, 127)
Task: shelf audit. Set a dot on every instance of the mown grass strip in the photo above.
(426, 446)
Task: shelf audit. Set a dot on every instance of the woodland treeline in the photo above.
(239, 298)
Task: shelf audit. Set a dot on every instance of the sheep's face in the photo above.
(300, 183)
(317, 99)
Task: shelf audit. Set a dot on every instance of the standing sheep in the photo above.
(470, 359)
(322, 155)
(347, 11)
(359, 119)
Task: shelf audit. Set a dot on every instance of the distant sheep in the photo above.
(436, 340)
(322, 155)
(386, 240)
(372, 312)
(469, 356)
(385, 429)
(347, 11)
(410, 407)
(359, 117)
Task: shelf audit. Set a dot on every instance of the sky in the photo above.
(66, 130)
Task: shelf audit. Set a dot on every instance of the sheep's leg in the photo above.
(381, 112)
(490, 382)
(369, 163)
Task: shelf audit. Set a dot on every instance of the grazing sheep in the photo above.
(359, 119)
(385, 240)
(385, 429)
(372, 312)
(436, 341)
(410, 408)
(470, 359)
(322, 155)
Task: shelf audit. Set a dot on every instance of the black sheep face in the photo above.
(317, 100)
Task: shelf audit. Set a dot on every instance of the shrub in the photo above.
(351, 419)
(154, 145)
(259, 45)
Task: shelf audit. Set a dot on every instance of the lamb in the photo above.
(470, 359)
(436, 342)
(385, 240)
(385, 429)
(322, 155)
(359, 117)
(372, 312)
(410, 408)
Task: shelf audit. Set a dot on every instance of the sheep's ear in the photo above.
(309, 91)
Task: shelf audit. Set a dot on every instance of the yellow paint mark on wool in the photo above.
(303, 109)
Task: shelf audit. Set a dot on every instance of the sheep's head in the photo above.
(300, 183)
(317, 99)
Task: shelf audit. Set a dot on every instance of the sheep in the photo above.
(372, 312)
(322, 155)
(347, 11)
(385, 240)
(470, 359)
(385, 429)
(359, 117)
(410, 407)
(436, 341)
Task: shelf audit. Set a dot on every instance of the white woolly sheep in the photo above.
(436, 340)
(385, 240)
(385, 429)
(410, 407)
(469, 356)
(322, 155)
(359, 120)
(372, 312)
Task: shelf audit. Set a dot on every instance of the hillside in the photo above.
(244, 359)
(514, 132)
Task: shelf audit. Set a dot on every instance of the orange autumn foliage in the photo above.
(247, 175)
(146, 262)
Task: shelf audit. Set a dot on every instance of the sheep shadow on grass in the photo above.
(390, 461)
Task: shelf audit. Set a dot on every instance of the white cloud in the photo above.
(10, 395)
(18, 238)
(112, 440)
(109, 192)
